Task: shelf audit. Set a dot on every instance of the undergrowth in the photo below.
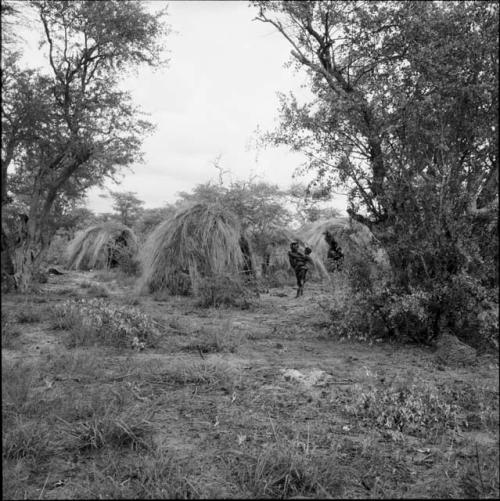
(223, 290)
(412, 408)
(94, 321)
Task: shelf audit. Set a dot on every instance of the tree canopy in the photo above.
(404, 115)
(68, 130)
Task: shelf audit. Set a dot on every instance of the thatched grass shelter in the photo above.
(275, 255)
(203, 240)
(353, 238)
(102, 246)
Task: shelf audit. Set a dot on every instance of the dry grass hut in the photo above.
(353, 238)
(103, 246)
(274, 260)
(203, 240)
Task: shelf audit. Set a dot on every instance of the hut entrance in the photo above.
(247, 256)
(116, 250)
(334, 256)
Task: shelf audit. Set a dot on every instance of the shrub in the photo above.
(406, 407)
(93, 321)
(461, 305)
(222, 290)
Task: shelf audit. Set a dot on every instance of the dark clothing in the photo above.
(300, 264)
(297, 259)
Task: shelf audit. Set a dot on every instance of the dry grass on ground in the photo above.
(229, 402)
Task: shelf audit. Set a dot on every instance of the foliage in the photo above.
(414, 409)
(404, 116)
(78, 127)
(308, 203)
(365, 308)
(127, 207)
(95, 321)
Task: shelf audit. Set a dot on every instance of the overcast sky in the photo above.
(221, 83)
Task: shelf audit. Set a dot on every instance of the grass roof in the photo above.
(100, 246)
(198, 241)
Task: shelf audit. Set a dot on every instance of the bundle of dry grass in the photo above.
(200, 241)
(275, 259)
(102, 246)
(353, 238)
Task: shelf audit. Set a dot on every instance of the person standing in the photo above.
(300, 263)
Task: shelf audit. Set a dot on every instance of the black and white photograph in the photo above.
(249, 249)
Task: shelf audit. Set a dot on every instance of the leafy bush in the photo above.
(223, 290)
(354, 310)
(409, 408)
(94, 321)
(374, 308)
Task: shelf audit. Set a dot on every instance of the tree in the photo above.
(78, 127)
(404, 116)
(307, 203)
(127, 206)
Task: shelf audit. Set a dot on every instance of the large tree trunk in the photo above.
(23, 250)
(7, 266)
(24, 269)
(27, 259)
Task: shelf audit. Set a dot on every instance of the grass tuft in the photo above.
(10, 332)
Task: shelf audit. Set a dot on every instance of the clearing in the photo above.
(262, 402)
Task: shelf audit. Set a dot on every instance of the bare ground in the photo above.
(263, 415)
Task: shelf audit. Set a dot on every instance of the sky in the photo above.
(220, 85)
